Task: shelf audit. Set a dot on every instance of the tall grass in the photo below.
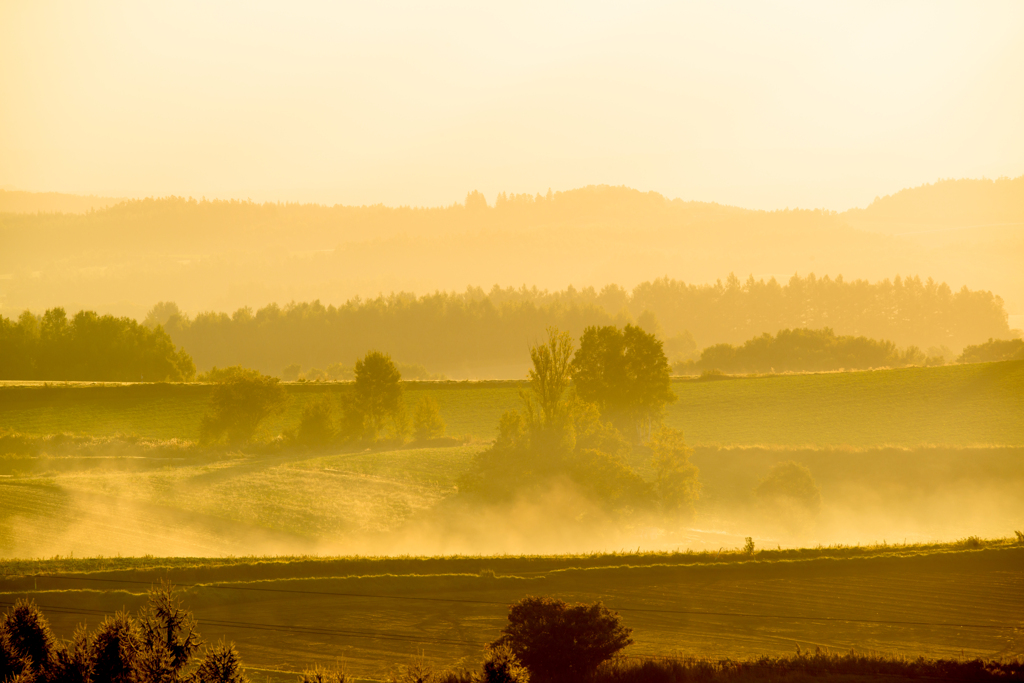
(820, 664)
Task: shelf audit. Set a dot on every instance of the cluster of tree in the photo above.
(372, 409)
(158, 646)
(546, 640)
(589, 417)
(804, 350)
(993, 350)
(88, 347)
(482, 334)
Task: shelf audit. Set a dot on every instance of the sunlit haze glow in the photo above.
(761, 105)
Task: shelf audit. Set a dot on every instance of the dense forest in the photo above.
(478, 334)
(88, 347)
(485, 334)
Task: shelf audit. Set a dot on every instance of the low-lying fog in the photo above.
(292, 504)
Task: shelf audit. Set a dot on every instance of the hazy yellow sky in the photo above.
(756, 104)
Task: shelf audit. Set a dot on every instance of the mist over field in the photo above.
(917, 454)
(511, 343)
(886, 395)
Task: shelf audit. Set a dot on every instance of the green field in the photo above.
(912, 455)
(92, 495)
(169, 411)
(951, 405)
(286, 613)
(954, 405)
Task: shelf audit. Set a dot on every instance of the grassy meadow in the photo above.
(379, 561)
(916, 454)
(950, 405)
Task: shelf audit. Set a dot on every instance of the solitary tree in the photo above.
(551, 374)
(169, 636)
(556, 641)
(626, 374)
(29, 635)
(221, 664)
(72, 662)
(547, 417)
(377, 396)
(239, 404)
(117, 649)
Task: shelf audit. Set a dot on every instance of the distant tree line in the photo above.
(804, 350)
(993, 350)
(88, 347)
(478, 333)
(484, 334)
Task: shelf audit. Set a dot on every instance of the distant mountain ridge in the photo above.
(963, 202)
(16, 201)
(227, 254)
(960, 200)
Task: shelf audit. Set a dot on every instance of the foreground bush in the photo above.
(557, 641)
(158, 646)
(501, 665)
(799, 668)
(28, 637)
